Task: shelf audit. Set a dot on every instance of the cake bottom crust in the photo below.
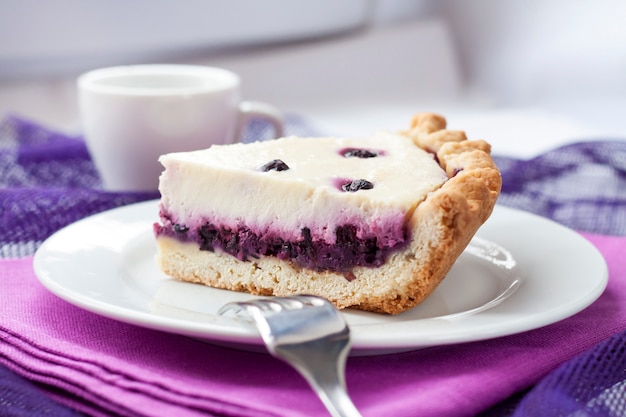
(375, 289)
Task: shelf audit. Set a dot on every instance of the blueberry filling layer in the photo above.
(347, 252)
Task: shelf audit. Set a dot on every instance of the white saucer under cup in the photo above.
(133, 114)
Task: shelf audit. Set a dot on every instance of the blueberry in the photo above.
(359, 153)
(208, 235)
(275, 165)
(179, 228)
(356, 185)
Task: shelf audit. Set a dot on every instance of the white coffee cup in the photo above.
(133, 114)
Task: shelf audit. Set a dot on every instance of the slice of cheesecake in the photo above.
(372, 223)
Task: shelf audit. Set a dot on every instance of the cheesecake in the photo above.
(373, 223)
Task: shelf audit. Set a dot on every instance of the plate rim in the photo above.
(242, 336)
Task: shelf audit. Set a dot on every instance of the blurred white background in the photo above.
(527, 75)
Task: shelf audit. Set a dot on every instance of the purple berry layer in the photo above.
(347, 252)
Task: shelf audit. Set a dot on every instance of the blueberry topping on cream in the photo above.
(275, 165)
(360, 153)
(356, 185)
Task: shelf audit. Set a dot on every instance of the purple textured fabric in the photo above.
(22, 398)
(594, 384)
(103, 367)
(582, 185)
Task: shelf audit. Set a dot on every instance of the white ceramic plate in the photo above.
(520, 273)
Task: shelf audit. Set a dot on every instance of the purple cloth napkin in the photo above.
(103, 367)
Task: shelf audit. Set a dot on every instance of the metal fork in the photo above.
(311, 335)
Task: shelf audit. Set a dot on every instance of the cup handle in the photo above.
(249, 110)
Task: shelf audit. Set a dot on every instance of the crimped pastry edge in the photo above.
(441, 227)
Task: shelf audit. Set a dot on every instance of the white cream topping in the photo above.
(225, 183)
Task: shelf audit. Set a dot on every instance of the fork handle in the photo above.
(328, 381)
(337, 401)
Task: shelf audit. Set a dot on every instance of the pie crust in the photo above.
(440, 228)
